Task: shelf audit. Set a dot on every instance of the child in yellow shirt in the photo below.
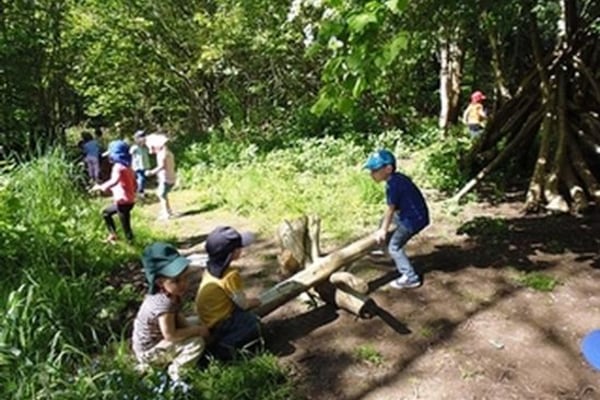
(221, 302)
(475, 116)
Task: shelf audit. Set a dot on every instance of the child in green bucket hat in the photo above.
(161, 335)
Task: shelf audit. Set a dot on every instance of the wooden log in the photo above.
(355, 303)
(350, 294)
(317, 272)
(347, 280)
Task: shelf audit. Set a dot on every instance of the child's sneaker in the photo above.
(111, 239)
(404, 283)
(377, 252)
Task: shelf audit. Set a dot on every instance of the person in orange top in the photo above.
(475, 116)
(123, 186)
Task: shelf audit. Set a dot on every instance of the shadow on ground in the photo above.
(528, 243)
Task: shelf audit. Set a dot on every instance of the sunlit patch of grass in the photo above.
(369, 354)
(537, 281)
(322, 179)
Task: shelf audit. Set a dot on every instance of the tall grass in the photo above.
(312, 176)
(60, 319)
(54, 263)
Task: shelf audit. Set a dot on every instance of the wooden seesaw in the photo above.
(300, 258)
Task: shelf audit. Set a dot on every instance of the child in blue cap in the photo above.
(122, 185)
(161, 334)
(221, 302)
(406, 208)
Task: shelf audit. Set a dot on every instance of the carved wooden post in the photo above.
(305, 236)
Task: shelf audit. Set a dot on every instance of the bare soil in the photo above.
(472, 331)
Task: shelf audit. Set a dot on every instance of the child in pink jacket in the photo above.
(123, 186)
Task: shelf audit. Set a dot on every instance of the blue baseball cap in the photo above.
(118, 151)
(590, 347)
(380, 159)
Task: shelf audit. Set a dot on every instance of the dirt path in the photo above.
(473, 331)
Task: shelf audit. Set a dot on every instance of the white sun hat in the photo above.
(156, 140)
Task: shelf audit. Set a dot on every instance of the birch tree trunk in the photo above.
(451, 56)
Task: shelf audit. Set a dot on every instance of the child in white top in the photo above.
(140, 161)
(165, 171)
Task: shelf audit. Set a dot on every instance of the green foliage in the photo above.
(485, 228)
(48, 223)
(56, 267)
(55, 261)
(440, 164)
(369, 354)
(537, 281)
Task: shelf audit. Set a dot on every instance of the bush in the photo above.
(440, 166)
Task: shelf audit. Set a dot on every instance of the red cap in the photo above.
(477, 96)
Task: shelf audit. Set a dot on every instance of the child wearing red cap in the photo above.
(475, 116)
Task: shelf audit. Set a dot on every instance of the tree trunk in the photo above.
(451, 56)
(565, 175)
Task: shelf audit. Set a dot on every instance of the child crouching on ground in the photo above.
(161, 335)
(221, 302)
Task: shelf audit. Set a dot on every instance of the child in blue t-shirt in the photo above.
(406, 208)
(91, 152)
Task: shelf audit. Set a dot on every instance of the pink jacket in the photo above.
(122, 184)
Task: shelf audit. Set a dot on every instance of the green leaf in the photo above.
(356, 58)
(396, 6)
(357, 23)
(394, 47)
(321, 105)
(359, 86)
(345, 105)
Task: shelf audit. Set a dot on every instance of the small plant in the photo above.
(441, 167)
(537, 281)
(554, 247)
(369, 354)
(427, 331)
(486, 228)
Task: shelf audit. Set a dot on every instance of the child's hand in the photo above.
(148, 173)
(95, 188)
(202, 331)
(380, 235)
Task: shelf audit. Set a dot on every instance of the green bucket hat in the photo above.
(162, 259)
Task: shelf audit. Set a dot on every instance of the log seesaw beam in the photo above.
(314, 273)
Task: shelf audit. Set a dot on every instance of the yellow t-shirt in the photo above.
(214, 299)
(474, 114)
